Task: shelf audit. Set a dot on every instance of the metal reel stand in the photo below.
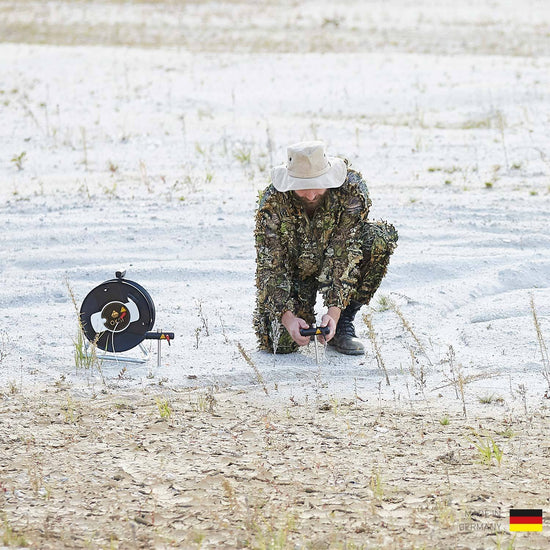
(117, 316)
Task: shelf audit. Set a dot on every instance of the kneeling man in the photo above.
(312, 235)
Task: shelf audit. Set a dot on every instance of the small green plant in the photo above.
(19, 159)
(486, 399)
(383, 303)
(197, 537)
(487, 449)
(11, 537)
(243, 156)
(501, 544)
(484, 449)
(164, 408)
(508, 433)
(69, 411)
(270, 533)
(111, 191)
(206, 402)
(85, 357)
(445, 514)
(376, 484)
(498, 453)
(444, 420)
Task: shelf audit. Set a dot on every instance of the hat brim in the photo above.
(335, 177)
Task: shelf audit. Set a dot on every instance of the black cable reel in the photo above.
(118, 315)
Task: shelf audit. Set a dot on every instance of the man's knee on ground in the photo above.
(285, 343)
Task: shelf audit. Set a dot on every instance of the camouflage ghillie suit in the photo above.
(336, 252)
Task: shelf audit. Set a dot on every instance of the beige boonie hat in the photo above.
(308, 167)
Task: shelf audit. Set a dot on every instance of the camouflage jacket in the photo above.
(326, 248)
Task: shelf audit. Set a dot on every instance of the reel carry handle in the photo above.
(168, 336)
(314, 331)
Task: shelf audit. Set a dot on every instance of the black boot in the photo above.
(345, 340)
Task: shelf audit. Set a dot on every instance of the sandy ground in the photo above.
(238, 470)
(137, 135)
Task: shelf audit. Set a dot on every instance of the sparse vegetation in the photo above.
(446, 516)
(11, 537)
(508, 433)
(85, 353)
(376, 484)
(4, 345)
(203, 318)
(487, 449)
(243, 155)
(383, 303)
(505, 542)
(542, 344)
(408, 328)
(164, 408)
(206, 401)
(232, 464)
(19, 159)
(69, 411)
(486, 399)
(417, 371)
(456, 377)
(372, 337)
(257, 372)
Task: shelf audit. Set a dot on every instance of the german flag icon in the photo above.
(525, 520)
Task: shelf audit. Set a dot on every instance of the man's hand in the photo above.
(293, 325)
(330, 320)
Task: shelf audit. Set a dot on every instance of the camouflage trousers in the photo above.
(378, 241)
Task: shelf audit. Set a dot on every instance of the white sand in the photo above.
(151, 159)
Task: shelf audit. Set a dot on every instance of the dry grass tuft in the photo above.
(542, 344)
(257, 372)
